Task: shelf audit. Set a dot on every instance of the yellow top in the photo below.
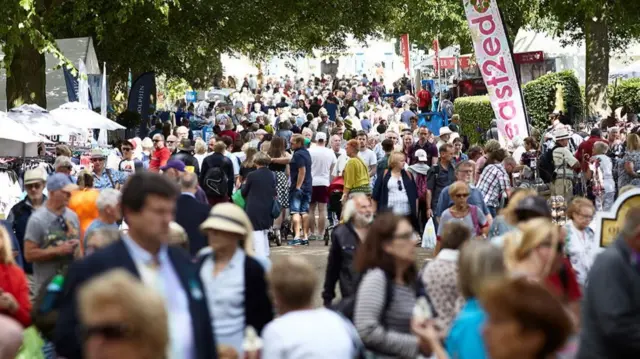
(356, 173)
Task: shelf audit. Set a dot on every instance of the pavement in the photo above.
(317, 254)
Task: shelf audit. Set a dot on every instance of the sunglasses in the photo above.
(107, 331)
(170, 142)
(33, 186)
(154, 141)
(125, 149)
(97, 160)
(63, 224)
(462, 195)
(399, 185)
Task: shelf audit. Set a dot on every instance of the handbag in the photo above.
(275, 205)
(237, 198)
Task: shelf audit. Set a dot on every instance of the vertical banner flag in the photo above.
(102, 137)
(72, 84)
(493, 55)
(404, 51)
(436, 59)
(142, 100)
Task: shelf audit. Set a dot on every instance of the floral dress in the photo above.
(623, 177)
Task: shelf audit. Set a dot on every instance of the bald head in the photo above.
(189, 182)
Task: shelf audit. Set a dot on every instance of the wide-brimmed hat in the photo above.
(227, 217)
(561, 134)
(35, 175)
(97, 153)
(445, 131)
(185, 145)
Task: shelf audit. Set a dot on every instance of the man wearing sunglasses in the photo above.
(52, 232)
(128, 164)
(160, 154)
(34, 181)
(104, 177)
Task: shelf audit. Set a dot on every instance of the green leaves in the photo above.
(540, 97)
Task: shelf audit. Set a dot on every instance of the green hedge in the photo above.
(625, 93)
(475, 116)
(540, 97)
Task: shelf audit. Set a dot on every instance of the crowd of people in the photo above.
(165, 252)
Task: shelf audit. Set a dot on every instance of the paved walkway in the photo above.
(317, 254)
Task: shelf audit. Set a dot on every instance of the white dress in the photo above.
(581, 247)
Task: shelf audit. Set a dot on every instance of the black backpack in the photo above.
(546, 168)
(216, 183)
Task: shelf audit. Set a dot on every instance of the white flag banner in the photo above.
(495, 62)
(102, 136)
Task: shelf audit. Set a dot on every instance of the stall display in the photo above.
(558, 210)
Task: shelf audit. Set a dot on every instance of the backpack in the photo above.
(216, 183)
(546, 168)
(421, 185)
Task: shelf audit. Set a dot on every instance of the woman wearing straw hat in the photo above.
(234, 280)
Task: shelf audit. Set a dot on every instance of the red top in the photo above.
(159, 158)
(424, 98)
(570, 290)
(585, 151)
(231, 133)
(14, 281)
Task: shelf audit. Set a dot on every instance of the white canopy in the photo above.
(39, 120)
(80, 116)
(628, 72)
(11, 130)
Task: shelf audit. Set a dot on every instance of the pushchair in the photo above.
(336, 190)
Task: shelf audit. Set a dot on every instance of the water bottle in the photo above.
(53, 289)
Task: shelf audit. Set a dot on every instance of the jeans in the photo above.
(493, 211)
(299, 201)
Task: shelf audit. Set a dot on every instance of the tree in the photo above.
(604, 26)
(185, 39)
(426, 20)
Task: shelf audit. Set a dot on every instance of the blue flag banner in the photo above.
(72, 85)
(142, 99)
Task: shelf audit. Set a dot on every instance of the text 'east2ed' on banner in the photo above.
(494, 60)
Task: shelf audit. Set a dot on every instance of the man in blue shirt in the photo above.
(464, 172)
(300, 193)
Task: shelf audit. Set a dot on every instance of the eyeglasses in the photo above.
(97, 160)
(399, 185)
(406, 236)
(113, 331)
(462, 195)
(585, 216)
(33, 186)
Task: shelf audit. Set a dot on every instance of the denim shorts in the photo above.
(299, 201)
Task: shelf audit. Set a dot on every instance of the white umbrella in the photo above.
(39, 120)
(13, 131)
(80, 116)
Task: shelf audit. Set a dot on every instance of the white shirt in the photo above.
(322, 159)
(368, 157)
(234, 159)
(341, 164)
(292, 337)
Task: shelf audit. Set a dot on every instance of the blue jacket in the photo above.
(17, 224)
(465, 336)
(381, 194)
(68, 343)
(190, 214)
(14, 244)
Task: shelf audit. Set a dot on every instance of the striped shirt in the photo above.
(394, 338)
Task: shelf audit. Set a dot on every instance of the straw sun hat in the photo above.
(228, 217)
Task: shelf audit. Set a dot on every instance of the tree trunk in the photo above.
(597, 66)
(26, 80)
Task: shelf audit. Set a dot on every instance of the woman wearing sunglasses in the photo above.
(396, 190)
(462, 212)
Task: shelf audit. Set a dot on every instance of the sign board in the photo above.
(493, 55)
(611, 222)
(529, 57)
(191, 96)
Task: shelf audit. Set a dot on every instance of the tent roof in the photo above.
(73, 49)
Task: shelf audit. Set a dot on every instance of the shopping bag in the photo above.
(429, 235)
(31, 345)
(237, 198)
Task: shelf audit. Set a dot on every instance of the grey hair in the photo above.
(108, 197)
(509, 161)
(261, 159)
(350, 207)
(600, 148)
(201, 147)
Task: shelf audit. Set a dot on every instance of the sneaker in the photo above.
(294, 242)
(304, 242)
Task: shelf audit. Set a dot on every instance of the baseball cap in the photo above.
(60, 182)
(34, 175)
(421, 155)
(175, 164)
(321, 136)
